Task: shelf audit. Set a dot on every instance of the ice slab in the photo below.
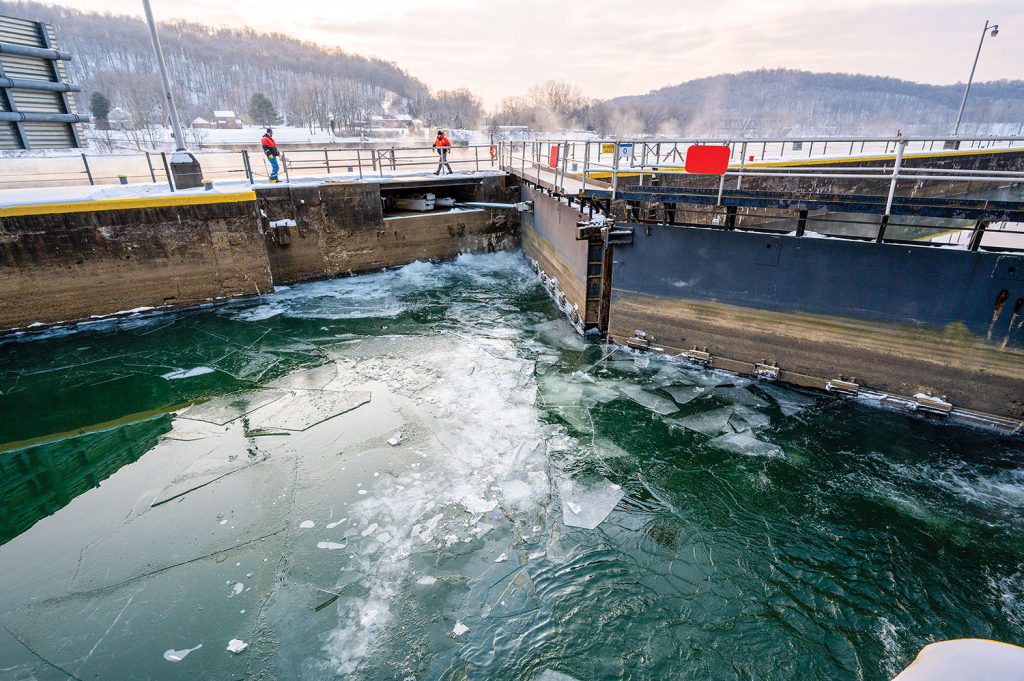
(684, 394)
(790, 402)
(248, 365)
(745, 443)
(222, 461)
(179, 655)
(587, 500)
(308, 379)
(226, 408)
(305, 409)
(710, 423)
(659, 405)
(236, 645)
(513, 595)
(560, 334)
(744, 419)
(187, 373)
(742, 396)
(551, 675)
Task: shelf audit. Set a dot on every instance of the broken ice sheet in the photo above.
(710, 423)
(559, 333)
(587, 500)
(226, 408)
(513, 595)
(308, 379)
(684, 394)
(745, 443)
(744, 419)
(551, 675)
(658, 405)
(187, 373)
(310, 407)
(742, 396)
(790, 402)
(248, 365)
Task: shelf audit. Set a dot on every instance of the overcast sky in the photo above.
(610, 48)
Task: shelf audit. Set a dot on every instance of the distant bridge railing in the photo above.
(889, 167)
(83, 169)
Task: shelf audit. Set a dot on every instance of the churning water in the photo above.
(426, 474)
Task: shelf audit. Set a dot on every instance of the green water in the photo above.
(762, 533)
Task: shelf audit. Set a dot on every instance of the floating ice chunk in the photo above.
(395, 440)
(744, 419)
(710, 423)
(329, 545)
(740, 396)
(745, 443)
(179, 655)
(427, 581)
(513, 595)
(550, 675)
(237, 645)
(502, 558)
(369, 530)
(331, 526)
(310, 407)
(476, 504)
(684, 394)
(384, 537)
(459, 629)
(587, 501)
(238, 588)
(659, 405)
(561, 334)
(227, 408)
(306, 524)
(790, 402)
(187, 373)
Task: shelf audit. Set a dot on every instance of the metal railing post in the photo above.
(359, 161)
(586, 165)
(167, 170)
(247, 164)
(900, 146)
(476, 155)
(743, 163)
(149, 162)
(327, 161)
(565, 161)
(284, 166)
(615, 169)
(88, 172)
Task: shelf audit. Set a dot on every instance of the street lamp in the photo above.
(184, 166)
(992, 30)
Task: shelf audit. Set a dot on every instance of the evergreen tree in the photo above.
(99, 105)
(262, 110)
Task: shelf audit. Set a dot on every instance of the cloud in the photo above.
(609, 48)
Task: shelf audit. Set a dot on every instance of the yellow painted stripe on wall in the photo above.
(125, 204)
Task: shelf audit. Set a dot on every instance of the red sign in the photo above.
(553, 157)
(707, 160)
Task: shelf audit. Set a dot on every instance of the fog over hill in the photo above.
(778, 101)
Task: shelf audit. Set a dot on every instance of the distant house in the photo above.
(202, 123)
(393, 122)
(226, 119)
(119, 118)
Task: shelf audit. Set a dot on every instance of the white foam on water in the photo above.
(498, 439)
(179, 655)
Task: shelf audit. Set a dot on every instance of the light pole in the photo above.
(994, 28)
(184, 166)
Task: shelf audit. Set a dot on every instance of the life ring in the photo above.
(494, 152)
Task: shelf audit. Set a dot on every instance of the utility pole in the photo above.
(184, 166)
(967, 90)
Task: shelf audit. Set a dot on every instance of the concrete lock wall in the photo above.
(901, 319)
(66, 262)
(549, 237)
(69, 262)
(336, 229)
